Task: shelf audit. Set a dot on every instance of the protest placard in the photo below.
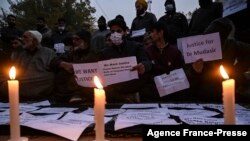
(109, 71)
(207, 47)
(168, 84)
(233, 6)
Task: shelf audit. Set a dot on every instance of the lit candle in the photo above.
(13, 87)
(228, 97)
(99, 109)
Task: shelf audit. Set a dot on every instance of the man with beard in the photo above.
(34, 71)
(142, 22)
(7, 34)
(98, 37)
(176, 23)
(42, 27)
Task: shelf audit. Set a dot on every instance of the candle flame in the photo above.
(97, 82)
(223, 72)
(12, 73)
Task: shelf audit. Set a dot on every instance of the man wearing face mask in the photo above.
(203, 16)
(42, 27)
(59, 35)
(66, 88)
(175, 22)
(142, 22)
(121, 47)
(98, 37)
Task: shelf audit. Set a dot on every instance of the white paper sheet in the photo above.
(196, 112)
(35, 104)
(140, 106)
(131, 118)
(54, 110)
(184, 105)
(4, 119)
(25, 118)
(4, 105)
(220, 106)
(108, 112)
(243, 117)
(196, 120)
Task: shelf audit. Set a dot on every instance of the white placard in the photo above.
(109, 71)
(138, 33)
(233, 6)
(59, 47)
(168, 84)
(85, 73)
(207, 47)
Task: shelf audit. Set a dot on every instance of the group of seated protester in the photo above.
(44, 75)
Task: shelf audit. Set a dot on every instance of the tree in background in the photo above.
(77, 13)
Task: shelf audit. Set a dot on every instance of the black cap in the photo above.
(118, 22)
(102, 19)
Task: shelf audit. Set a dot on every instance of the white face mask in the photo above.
(61, 27)
(116, 38)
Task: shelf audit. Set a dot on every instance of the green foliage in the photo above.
(77, 13)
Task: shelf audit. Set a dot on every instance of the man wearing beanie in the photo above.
(175, 22)
(142, 22)
(98, 37)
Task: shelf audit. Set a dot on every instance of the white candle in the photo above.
(228, 98)
(99, 109)
(13, 87)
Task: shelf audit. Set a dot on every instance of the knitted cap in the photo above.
(37, 35)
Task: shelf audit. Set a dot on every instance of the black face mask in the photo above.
(39, 26)
(205, 3)
(139, 12)
(12, 24)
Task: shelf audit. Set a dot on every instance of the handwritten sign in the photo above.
(110, 71)
(233, 6)
(168, 84)
(207, 47)
(85, 73)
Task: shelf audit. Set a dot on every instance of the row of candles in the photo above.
(100, 101)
